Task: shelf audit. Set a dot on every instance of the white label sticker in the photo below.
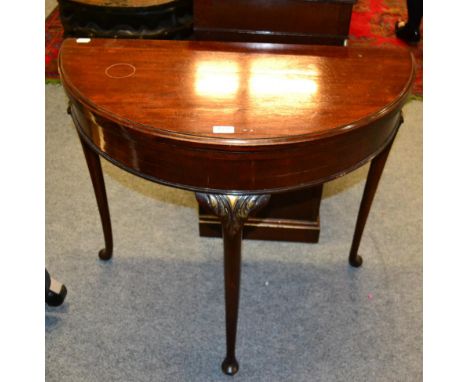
(83, 40)
(223, 129)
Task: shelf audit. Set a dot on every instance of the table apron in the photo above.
(203, 167)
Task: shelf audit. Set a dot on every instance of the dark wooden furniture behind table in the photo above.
(283, 21)
(149, 19)
(349, 114)
(294, 215)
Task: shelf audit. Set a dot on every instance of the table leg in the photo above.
(233, 211)
(373, 177)
(95, 171)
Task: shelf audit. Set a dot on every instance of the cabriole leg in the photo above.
(95, 171)
(233, 211)
(373, 177)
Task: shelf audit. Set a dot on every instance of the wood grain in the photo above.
(123, 3)
(280, 21)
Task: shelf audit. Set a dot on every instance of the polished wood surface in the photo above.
(123, 3)
(290, 107)
(182, 89)
(290, 116)
(280, 21)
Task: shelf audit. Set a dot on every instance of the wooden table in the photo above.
(235, 122)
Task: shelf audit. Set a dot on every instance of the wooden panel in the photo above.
(123, 3)
(284, 21)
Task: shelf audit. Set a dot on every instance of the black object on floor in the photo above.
(55, 292)
(407, 33)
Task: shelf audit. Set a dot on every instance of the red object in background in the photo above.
(53, 41)
(372, 23)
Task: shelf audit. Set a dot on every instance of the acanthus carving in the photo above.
(233, 210)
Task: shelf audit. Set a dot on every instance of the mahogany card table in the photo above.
(235, 123)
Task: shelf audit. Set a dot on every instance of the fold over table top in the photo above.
(234, 116)
(262, 91)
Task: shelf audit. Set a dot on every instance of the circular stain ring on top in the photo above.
(120, 70)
